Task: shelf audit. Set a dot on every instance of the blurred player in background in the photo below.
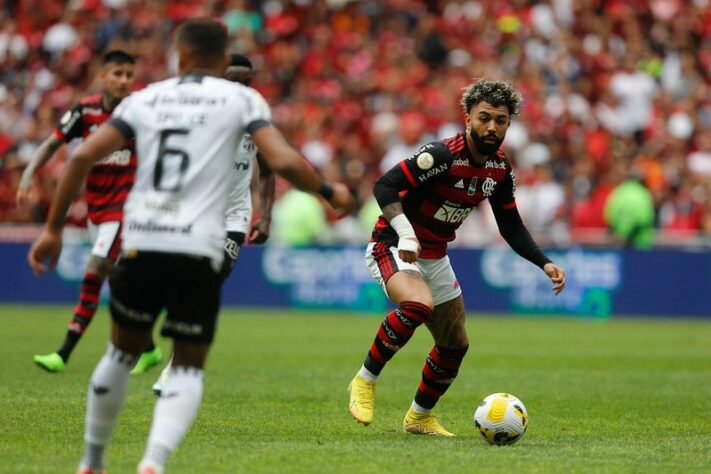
(187, 131)
(239, 209)
(107, 186)
(424, 199)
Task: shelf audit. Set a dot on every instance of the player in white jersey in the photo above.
(187, 130)
(238, 216)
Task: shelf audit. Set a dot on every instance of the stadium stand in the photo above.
(612, 89)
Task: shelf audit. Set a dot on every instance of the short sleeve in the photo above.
(258, 113)
(124, 111)
(122, 118)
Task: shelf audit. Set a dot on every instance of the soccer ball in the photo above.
(501, 418)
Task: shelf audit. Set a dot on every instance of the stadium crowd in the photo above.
(614, 90)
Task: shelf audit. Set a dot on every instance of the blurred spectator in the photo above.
(411, 134)
(629, 212)
(298, 219)
(541, 203)
(359, 85)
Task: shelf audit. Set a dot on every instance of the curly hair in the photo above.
(496, 93)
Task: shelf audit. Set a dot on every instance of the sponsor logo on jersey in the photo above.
(432, 172)
(163, 207)
(68, 120)
(425, 161)
(65, 118)
(117, 158)
(472, 186)
(451, 214)
(459, 184)
(496, 165)
(487, 187)
(152, 226)
(247, 144)
(188, 100)
(460, 162)
(424, 148)
(181, 119)
(242, 165)
(513, 182)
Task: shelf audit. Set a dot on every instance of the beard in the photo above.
(485, 148)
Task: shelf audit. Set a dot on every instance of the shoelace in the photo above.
(365, 393)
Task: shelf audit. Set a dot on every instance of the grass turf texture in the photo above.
(616, 396)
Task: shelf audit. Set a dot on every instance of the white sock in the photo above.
(174, 413)
(367, 374)
(419, 408)
(107, 392)
(165, 374)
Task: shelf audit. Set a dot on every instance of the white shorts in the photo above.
(106, 239)
(383, 262)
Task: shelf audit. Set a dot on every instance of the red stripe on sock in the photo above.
(398, 326)
(375, 354)
(416, 311)
(428, 390)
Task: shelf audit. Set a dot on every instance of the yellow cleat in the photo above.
(424, 424)
(362, 403)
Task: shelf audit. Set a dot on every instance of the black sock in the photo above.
(69, 343)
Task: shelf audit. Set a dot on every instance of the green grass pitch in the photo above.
(617, 396)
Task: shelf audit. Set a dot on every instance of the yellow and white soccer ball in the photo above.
(501, 418)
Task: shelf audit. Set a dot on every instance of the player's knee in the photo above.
(421, 311)
(416, 293)
(130, 340)
(425, 300)
(461, 343)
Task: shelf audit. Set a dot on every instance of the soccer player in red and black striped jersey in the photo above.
(107, 186)
(424, 199)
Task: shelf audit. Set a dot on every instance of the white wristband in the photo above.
(402, 226)
(408, 245)
(407, 239)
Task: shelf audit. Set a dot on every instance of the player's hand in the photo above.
(260, 232)
(342, 200)
(23, 196)
(557, 276)
(408, 249)
(44, 253)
